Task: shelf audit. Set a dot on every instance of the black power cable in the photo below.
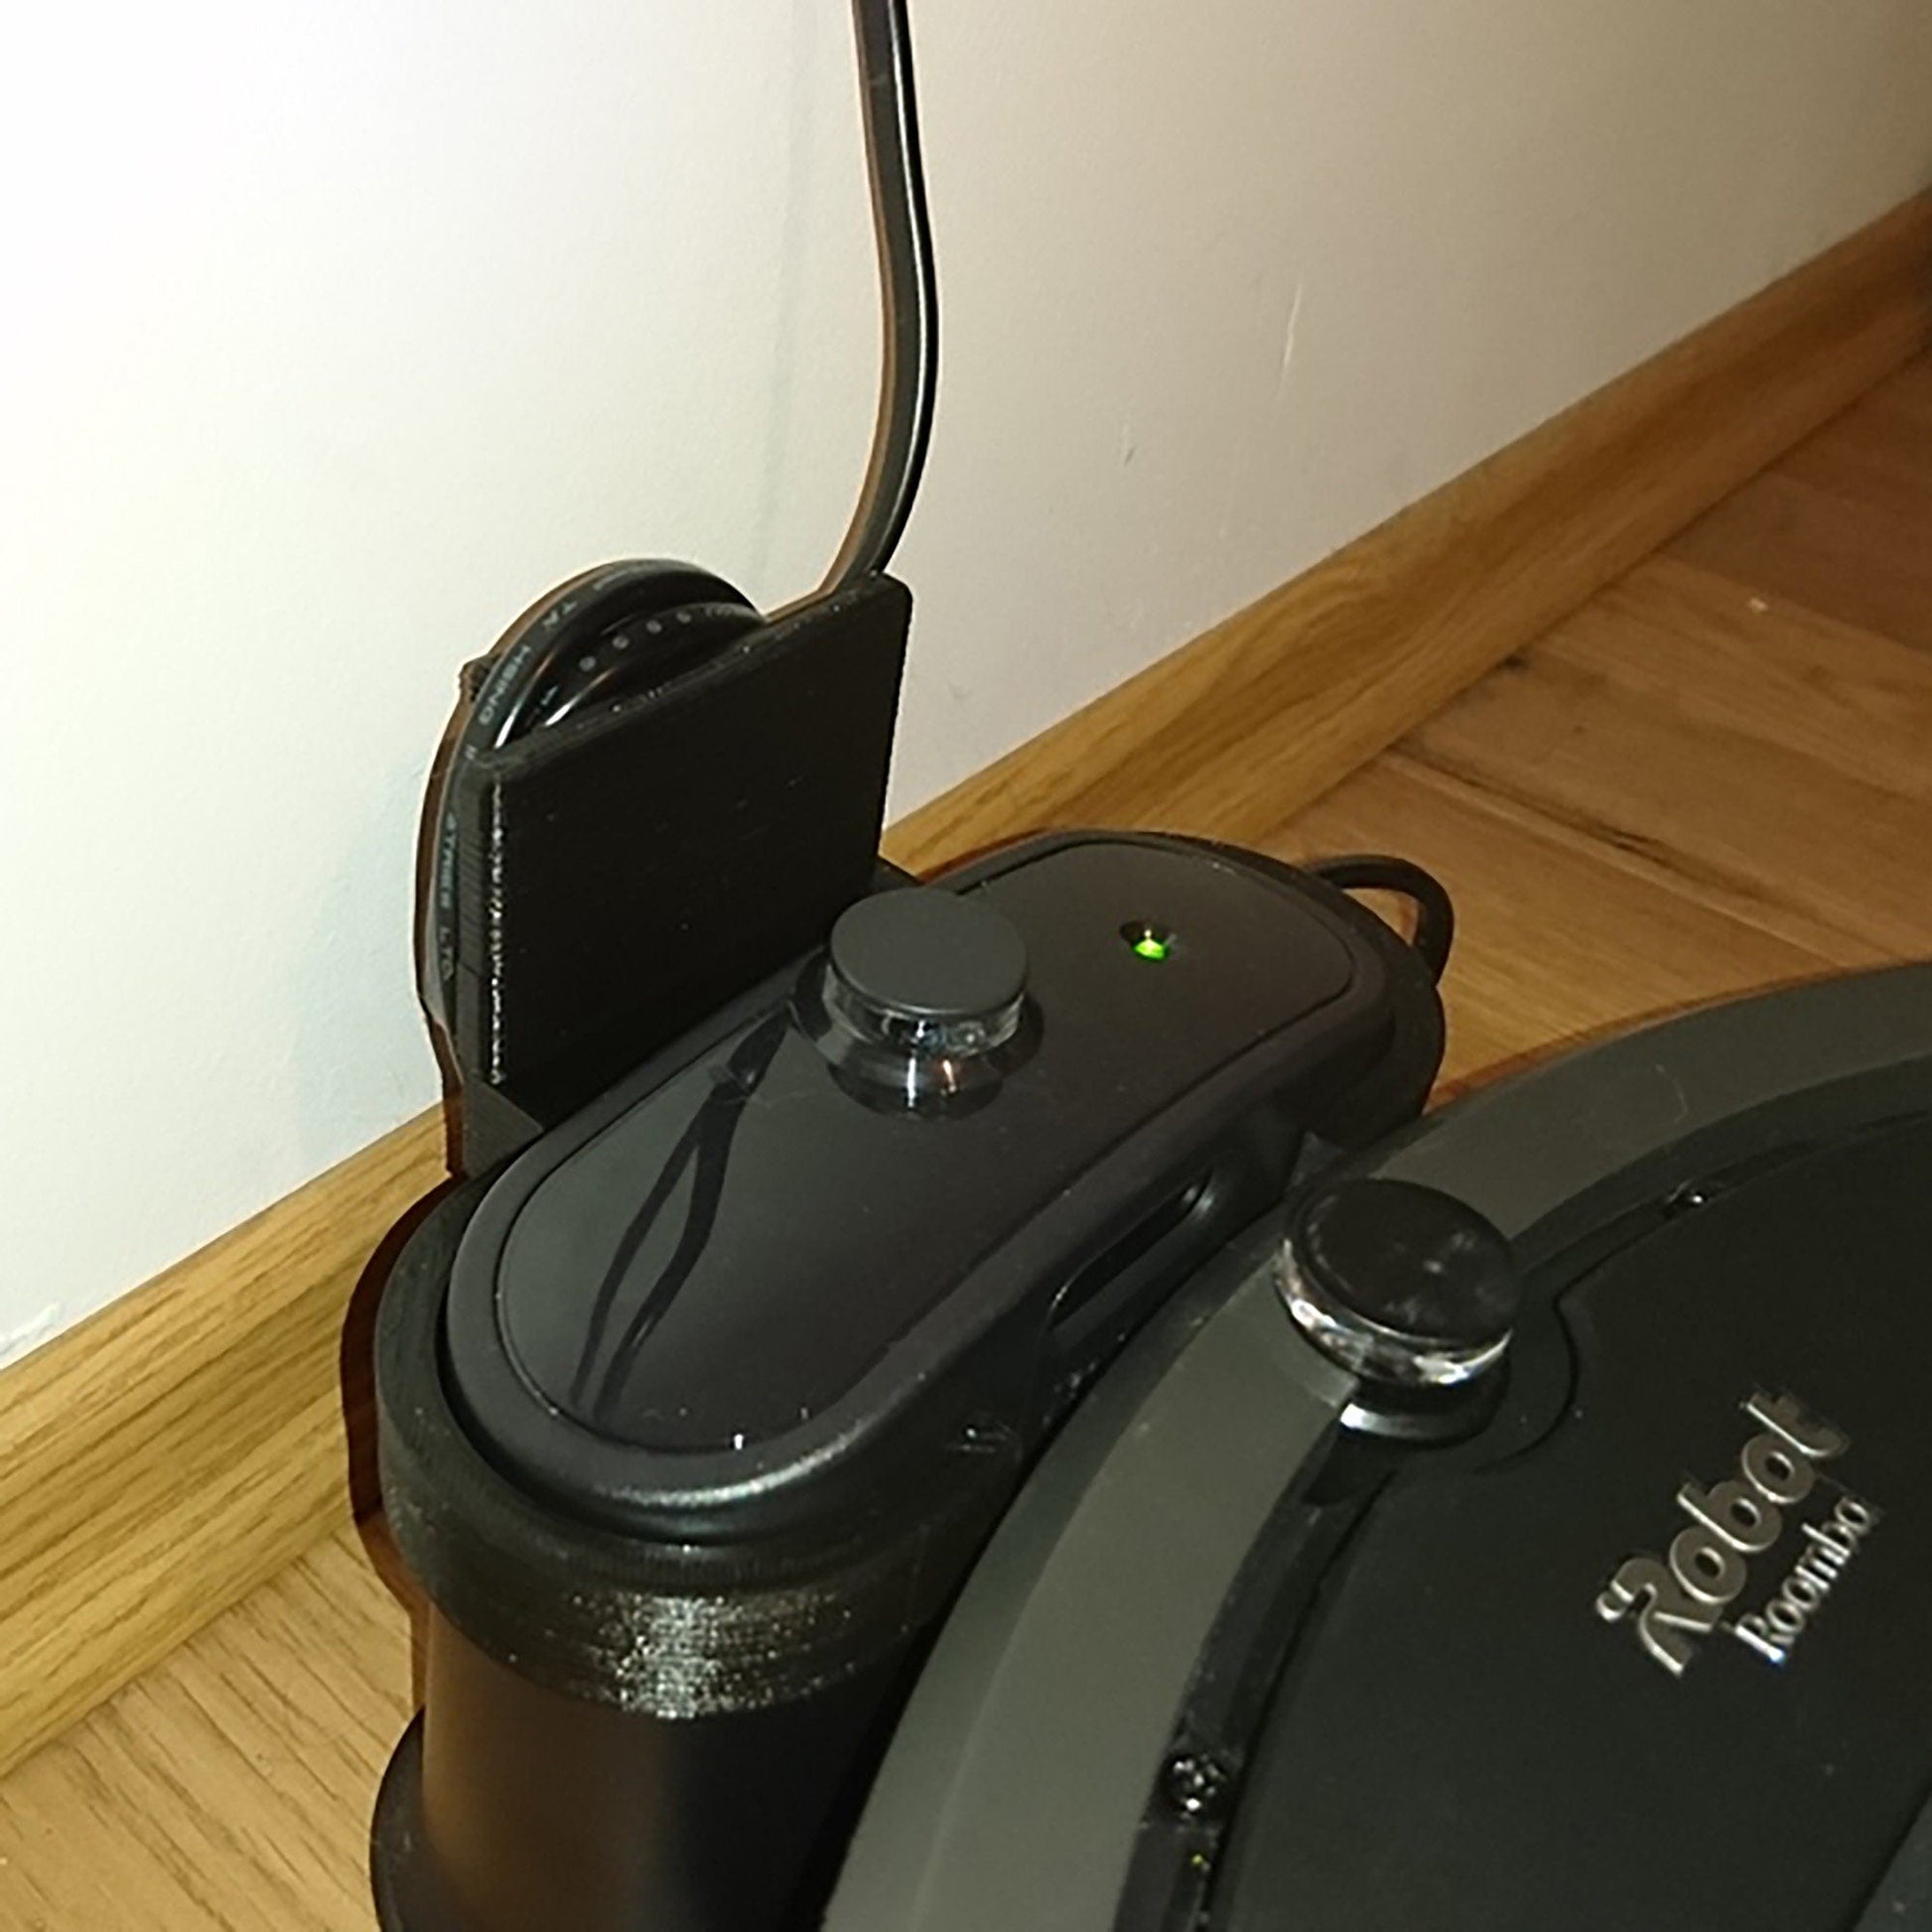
(1381, 872)
(908, 389)
(908, 285)
(1368, 871)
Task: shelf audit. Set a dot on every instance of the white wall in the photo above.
(333, 335)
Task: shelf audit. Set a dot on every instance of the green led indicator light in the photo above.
(1148, 941)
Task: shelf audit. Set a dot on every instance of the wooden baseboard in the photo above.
(164, 1457)
(160, 1460)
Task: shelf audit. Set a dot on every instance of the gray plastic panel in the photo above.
(1903, 1900)
(1015, 1785)
(1543, 1141)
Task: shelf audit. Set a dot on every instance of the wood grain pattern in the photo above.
(222, 1793)
(160, 1460)
(1716, 650)
(185, 1444)
(1795, 540)
(1753, 826)
(1559, 940)
(230, 1788)
(1842, 527)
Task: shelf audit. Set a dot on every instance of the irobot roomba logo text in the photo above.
(1679, 1601)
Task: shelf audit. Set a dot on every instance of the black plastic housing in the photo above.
(1517, 1757)
(726, 1571)
(618, 874)
(1641, 1646)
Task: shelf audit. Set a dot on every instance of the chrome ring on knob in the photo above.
(929, 1037)
(1366, 1347)
(919, 1002)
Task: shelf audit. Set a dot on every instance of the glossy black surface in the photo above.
(735, 1252)
(930, 954)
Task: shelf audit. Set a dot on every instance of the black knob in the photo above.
(929, 963)
(1401, 1283)
(922, 1002)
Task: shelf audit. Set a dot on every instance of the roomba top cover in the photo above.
(1665, 1663)
(1646, 1647)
